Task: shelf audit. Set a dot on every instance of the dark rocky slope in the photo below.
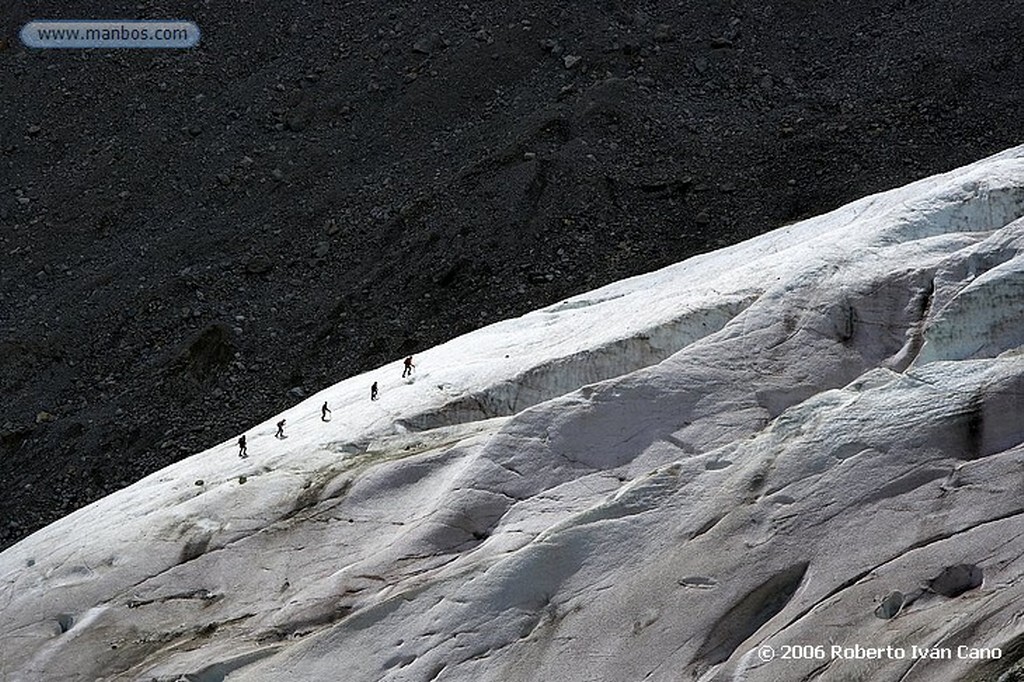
(189, 240)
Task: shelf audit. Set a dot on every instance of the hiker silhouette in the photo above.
(243, 452)
(373, 391)
(280, 429)
(409, 367)
(324, 411)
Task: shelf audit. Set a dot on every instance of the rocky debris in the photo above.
(12, 434)
(209, 351)
(728, 38)
(315, 140)
(258, 265)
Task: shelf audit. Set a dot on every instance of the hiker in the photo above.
(373, 391)
(324, 411)
(408, 367)
(242, 451)
(280, 429)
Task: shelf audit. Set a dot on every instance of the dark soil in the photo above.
(190, 240)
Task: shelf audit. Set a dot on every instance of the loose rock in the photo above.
(663, 33)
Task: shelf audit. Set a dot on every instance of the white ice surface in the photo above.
(645, 482)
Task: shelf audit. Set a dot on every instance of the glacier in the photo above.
(741, 467)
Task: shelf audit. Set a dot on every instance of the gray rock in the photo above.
(664, 33)
(955, 580)
(429, 44)
(890, 605)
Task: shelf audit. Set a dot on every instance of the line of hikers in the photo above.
(325, 411)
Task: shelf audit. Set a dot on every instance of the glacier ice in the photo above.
(813, 438)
